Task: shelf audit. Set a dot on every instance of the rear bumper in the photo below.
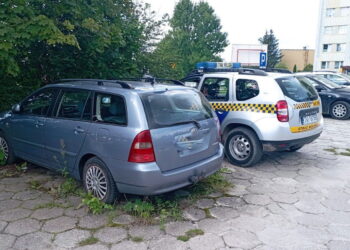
(149, 180)
(285, 145)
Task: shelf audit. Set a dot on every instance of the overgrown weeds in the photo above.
(190, 234)
(95, 205)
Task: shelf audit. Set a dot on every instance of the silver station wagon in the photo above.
(138, 137)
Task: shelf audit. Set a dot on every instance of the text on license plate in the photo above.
(305, 120)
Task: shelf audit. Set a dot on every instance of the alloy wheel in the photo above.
(4, 148)
(96, 181)
(339, 110)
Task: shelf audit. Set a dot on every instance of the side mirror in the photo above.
(16, 108)
(319, 88)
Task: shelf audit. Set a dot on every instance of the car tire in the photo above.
(340, 110)
(242, 147)
(6, 147)
(294, 149)
(99, 181)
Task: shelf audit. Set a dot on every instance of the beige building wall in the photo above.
(299, 57)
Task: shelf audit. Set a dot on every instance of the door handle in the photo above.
(78, 130)
(39, 124)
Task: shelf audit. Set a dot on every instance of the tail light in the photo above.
(282, 111)
(217, 122)
(142, 148)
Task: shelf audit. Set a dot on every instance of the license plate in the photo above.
(305, 120)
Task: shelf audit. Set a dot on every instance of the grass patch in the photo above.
(68, 187)
(332, 150)
(35, 184)
(190, 234)
(183, 238)
(95, 205)
(214, 183)
(347, 153)
(194, 232)
(136, 239)
(88, 241)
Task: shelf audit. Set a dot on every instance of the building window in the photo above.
(341, 47)
(326, 47)
(342, 29)
(338, 64)
(324, 65)
(328, 30)
(330, 12)
(345, 11)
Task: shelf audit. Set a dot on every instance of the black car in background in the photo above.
(335, 98)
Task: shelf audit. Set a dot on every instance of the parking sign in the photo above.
(263, 59)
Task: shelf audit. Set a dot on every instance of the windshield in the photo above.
(325, 81)
(346, 76)
(337, 79)
(175, 107)
(299, 91)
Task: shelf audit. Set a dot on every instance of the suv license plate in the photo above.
(305, 120)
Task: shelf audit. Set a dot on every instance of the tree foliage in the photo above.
(195, 35)
(308, 68)
(42, 41)
(273, 53)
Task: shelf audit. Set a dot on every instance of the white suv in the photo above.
(259, 111)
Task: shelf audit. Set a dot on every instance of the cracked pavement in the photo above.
(295, 201)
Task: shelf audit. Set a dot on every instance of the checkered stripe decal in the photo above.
(248, 107)
(306, 105)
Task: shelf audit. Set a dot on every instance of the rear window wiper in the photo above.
(197, 124)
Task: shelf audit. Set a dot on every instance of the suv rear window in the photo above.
(299, 91)
(175, 106)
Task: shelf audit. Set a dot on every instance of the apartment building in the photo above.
(333, 39)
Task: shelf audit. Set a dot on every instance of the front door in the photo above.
(27, 128)
(67, 128)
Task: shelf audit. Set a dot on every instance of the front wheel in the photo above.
(340, 110)
(243, 147)
(98, 181)
(6, 152)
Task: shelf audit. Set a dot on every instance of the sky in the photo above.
(294, 22)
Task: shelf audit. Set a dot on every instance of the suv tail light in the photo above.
(282, 111)
(142, 148)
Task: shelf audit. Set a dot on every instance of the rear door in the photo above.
(184, 129)
(305, 111)
(66, 129)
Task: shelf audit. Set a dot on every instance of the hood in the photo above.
(4, 115)
(345, 90)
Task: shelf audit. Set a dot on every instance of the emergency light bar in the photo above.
(217, 65)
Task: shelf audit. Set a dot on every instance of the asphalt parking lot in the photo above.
(289, 201)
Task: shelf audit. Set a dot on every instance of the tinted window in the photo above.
(72, 103)
(246, 89)
(299, 91)
(110, 109)
(39, 103)
(166, 108)
(216, 89)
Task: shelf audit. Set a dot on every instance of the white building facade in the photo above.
(333, 38)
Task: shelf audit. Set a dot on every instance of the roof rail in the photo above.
(100, 82)
(154, 80)
(276, 70)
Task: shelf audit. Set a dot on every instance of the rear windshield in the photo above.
(175, 106)
(299, 91)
